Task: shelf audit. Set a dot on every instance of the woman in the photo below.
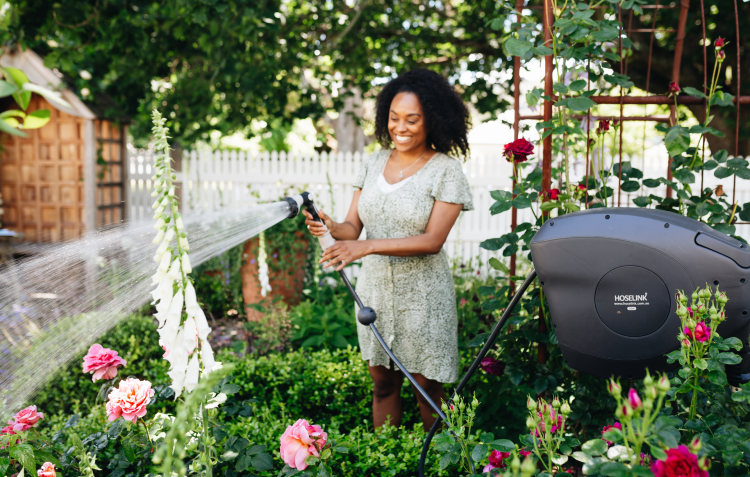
(409, 197)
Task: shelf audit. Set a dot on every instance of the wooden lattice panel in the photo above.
(41, 178)
(110, 197)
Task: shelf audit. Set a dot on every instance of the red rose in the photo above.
(674, 87)
(581, 186)
(680, 462)
(702, 332)
(552, 193)
(719, 42)
(606, 428)
(604, 125)
(518, 150)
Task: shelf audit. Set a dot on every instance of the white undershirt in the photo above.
(385, 187)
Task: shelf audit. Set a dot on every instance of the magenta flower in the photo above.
(617, 425)
(680, 462)
(102, 362)
(555, 418)
(634, 400)
(702, 332)
(719, 42)
(492, 366)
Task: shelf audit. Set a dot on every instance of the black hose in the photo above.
(485, 349)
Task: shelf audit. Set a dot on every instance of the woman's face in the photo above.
(406, 122)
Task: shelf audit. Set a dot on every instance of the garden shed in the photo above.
(68, 177)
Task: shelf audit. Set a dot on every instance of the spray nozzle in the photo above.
(305, 200)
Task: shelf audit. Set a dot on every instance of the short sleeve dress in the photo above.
(414, 297)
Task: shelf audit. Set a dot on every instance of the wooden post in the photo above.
(679, 41)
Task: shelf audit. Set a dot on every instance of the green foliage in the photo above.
(135, 339)
(144, 54)
(218, 284)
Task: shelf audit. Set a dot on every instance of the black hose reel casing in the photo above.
(610, 277)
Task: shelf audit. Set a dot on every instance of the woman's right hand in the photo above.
(315, 227)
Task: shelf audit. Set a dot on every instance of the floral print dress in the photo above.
(414, 297)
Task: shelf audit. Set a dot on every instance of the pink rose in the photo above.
(680, 462)
(525, 453)
(8, 430)
(463, 302)
(47, 470)
(129, 400)
(299, 441)
(103, 362)
(634, 400)
(702, 332)
(25, 419)
(617, 425)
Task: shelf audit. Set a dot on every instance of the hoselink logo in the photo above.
(621, 298)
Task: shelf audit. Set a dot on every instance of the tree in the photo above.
(223, 64)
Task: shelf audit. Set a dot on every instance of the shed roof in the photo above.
(33, 66)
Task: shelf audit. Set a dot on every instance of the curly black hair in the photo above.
(446, 117)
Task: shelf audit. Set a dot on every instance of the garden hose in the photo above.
(487, 345)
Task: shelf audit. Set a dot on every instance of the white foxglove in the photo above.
(186, 266)
(159, 224)
(265, 285)
(179, 224)
(164, 264)
(159, 236)
(169, 235)
(184, 244)
(174, 270)
(190, 341)
(193, 373)
(207, 355)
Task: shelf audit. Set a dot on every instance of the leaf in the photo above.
(542, 50)
(540, 385)
(517, 47)
(651, 183)
(500, 207)
(531, 99)
(667, 439)
(721, 156)
(693, 92)
(487, 437)
(571, 207)
(243, 463)
(446, 459)
(262, 462)
(52, 96)
(478, 340)
(613, 469)
(581, 456)
(257, 449)
(560, 88)
(7, 89)
(24, 453)
(722, 172)
(521, 202)
(36, 119)
(676, 142)
(729, 358)
(7, 128)
(4, 464)
(717, 377)
(595, 447)
(630, 186)
(580, 103)
(479, 452)
(559, 459)
(492, 244)
(685, 176)
(642, 201)
(503, 445)
(501, 195)
(577, 85)
(550, 205)
(324, 470)
(498, 265)
(735, 343)
(228, 388)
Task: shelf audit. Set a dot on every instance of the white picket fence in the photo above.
(224, 179)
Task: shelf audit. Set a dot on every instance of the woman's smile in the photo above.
(403, 139)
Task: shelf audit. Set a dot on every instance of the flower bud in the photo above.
(681, 310)
(474, 402)
(180, 225)
(530, 404)
(171, 192)
(685, 343)
(648, 404)
(159, 224)
(159, 237)
(444, 407)
(704, 463)
(691, 323)
(556, 404)
(720, 55)
(722, 298)
(515, 464)
(461, 405)
(614, 388)
(663, 384)
(154, 193)
(696, 445)
(528, 467)
(652, 392)
(565, 408)
(694, 296)
(184, 244)
(648, 380)
(626, 411)
(712, 310)
(531, 422)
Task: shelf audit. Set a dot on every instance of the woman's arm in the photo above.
(349, 229)
(441, 221)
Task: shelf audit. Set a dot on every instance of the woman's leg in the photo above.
(436, 392)
(386, 396)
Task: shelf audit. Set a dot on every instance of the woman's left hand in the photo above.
(345, 252)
